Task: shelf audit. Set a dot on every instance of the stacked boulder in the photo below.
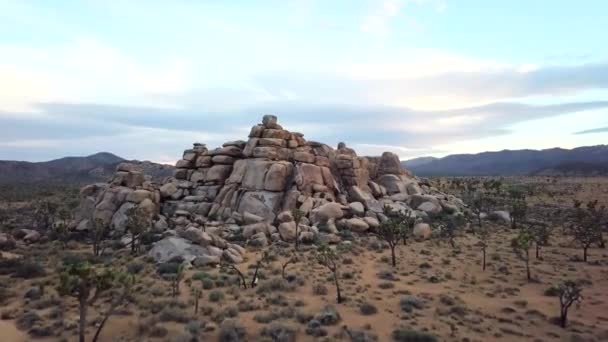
(110, 202)
(246, 190)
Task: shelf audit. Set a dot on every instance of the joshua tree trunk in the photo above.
(564, 317)
(338, 293)
(102, 324)
(537, 251)
(297, 240)
(585, 253)
(394, 259)
(82, 324)
(484, 259)
(528, 266)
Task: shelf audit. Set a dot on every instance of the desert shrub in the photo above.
(194, 328)
(328, 316)
(135, 267)
(46, 303)
(552, 291)
(387, 275)
(231, 311)
(319, 290)
(408, 335)
(277, 299)
(279, 332)
(9, 266)
(386, 285)
(168, 268)
(216, 296)
(231, 331)
(266, 317)
(202, 276)
(71, 259)
(409, 303)
(29, 270)
(173, 314)
(27, 320)
(303, 317)
(275, 284)
(368, 309)
(207, 284)
(247, 305)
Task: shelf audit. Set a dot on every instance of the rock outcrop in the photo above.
(245, 190)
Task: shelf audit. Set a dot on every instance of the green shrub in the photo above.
(216, 296)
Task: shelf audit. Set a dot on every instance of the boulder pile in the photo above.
(246, 191)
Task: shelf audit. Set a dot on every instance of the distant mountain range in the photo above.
(98, 167)
(581, 161)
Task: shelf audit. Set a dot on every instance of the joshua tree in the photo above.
(298, 215)
(408, 220)
(98, 235)
(176, 279)
(61, 229)
(138, 223)
(478, 202)
(518, 207)
(291, 260)
(197, 293)
(449, 225)
(125, 283)
(569, 292)
(87, 283)
(391, 231)
(483, 233)
(521, 246)
(264, 259)
(541, 233)
(587, 225)
(45, 213)
(228, 266)
(328, 257)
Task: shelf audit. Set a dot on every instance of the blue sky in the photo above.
(145, 79)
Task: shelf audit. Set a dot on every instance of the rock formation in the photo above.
(245, 191)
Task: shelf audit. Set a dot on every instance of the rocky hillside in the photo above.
(590, 160)
(246, 191)
(99, 167)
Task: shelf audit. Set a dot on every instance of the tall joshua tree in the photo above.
(521, 246)
(298, 215)
(569, 292)
(87, 283)
(328, 257)
(391, 231)
(586, 226)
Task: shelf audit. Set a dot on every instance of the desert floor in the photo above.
(434, 288)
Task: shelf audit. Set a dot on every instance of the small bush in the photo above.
(266, 317)
(319, 290)
(208, 284)
(409, 303)
(168, 268)
(171, 314)
(135, 267)
(216, 296)
(407, 335)
(27, 320)
(29, 270)
(231, 331)
(279, 332)
(368, 309)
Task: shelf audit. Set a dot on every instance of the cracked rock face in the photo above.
(244, 183)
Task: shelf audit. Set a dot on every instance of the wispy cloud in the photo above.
(593, 130)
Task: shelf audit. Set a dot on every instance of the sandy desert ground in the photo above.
(435, 290)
